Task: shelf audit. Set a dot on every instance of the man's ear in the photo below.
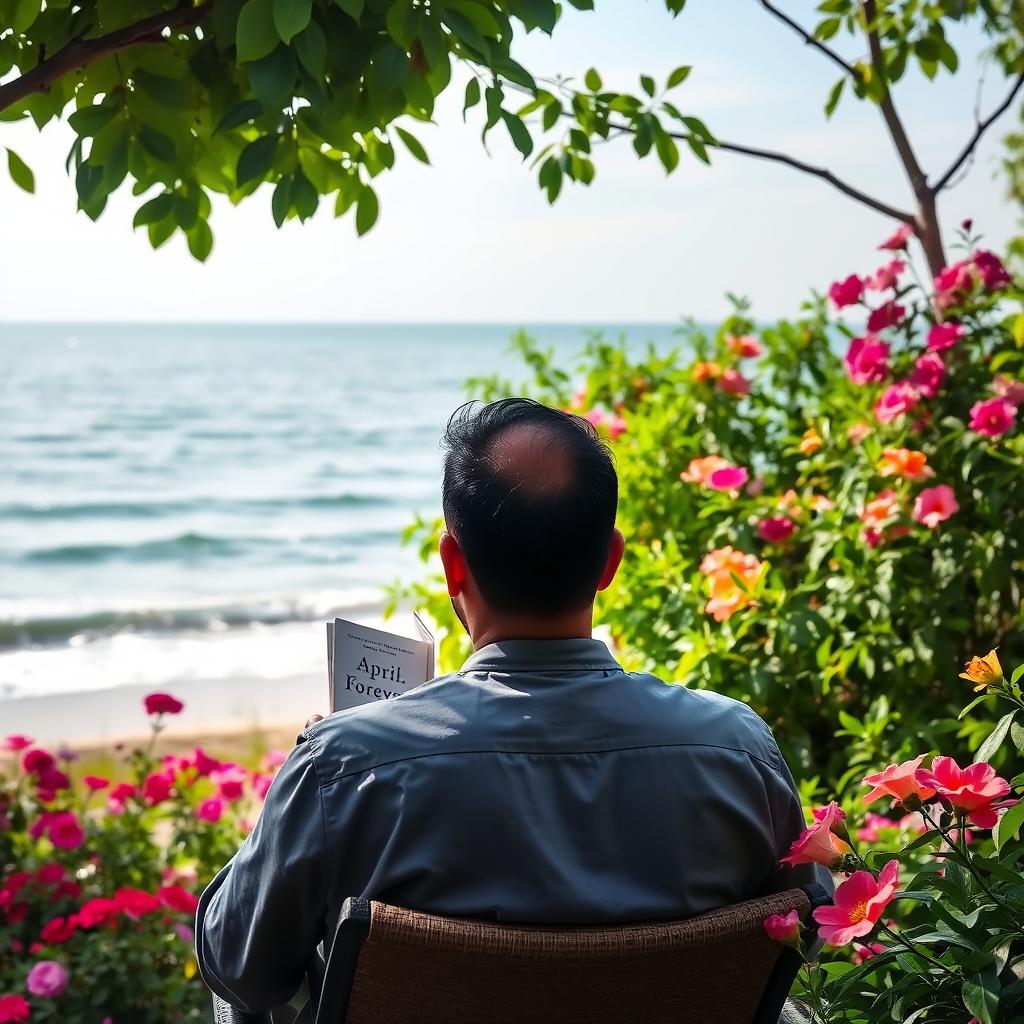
(614, 558)
(454, 564)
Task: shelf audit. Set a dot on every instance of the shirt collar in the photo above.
(576, 654)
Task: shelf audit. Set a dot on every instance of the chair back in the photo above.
(394, 966)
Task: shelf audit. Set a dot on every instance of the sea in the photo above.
(192, 501)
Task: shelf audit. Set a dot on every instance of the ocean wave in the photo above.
(183, 546)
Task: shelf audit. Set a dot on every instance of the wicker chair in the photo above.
(393, 966)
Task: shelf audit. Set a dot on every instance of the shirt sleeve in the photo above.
(260, 920)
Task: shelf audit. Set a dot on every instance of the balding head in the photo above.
(530, 495)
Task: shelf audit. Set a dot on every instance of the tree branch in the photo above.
(972, 142)
(80, 52)
(810, 40)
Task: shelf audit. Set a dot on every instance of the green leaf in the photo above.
(21, 173)
(304, 197)
(980, 994)
(472, 96)
(367, 210)
(256, 34)
(200, 240)
(970, 707)
(24, 15)
(171, 92)
(668, 151)
(1008, 825)
(698, 149)
(158, 144)
(256, 159)
(413, 145)
(995, 738)
(88, 120)
(153, 210)
(273, 78)
(647, 84)
(241, 113)
(679, 76)
(353, 8)
(833, 97)
(592, 80)
(1017, 735)
(291, 17)
(281, 202)
(519, 133)
(311, 47)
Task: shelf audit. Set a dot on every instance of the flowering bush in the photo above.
(821, 518)
(930, 924)
(99, 878)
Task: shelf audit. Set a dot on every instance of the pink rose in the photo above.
(858, 904)
(1010, 389)
(616, 426)
(867, 360)
(953, 279)
(887, 315)
(972, 790)
(818, 843)
(943, 336)
(47, 979)
(898, 781)
(929, 374)
(867, 951)
(847, 292)
(935, 505)
(775, 529)
(728, 478)
(745, 346)
(210, 809)
(887, 277)
(64, 831)
(733, 382)
(162, 704)
(95, 782)
(899, 238)
(897, 400)
(157, 787)
(993, 274)
(993, 417)
(16, 744)
(784, 928)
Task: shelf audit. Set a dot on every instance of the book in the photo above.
(365, 664)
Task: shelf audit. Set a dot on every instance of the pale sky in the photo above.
(471, 238)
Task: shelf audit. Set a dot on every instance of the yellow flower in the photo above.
(983, 671)
(811, 442)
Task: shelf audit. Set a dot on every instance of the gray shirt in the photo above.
(541, 783)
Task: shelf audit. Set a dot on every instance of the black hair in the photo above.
(535, 527)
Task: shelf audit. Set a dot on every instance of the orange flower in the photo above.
(731, 577)
(877, 511)
(706, 371)
(906, 463)
(983, 671)
(789, 500)
(811, 442)
(699, 470)
(856, 434)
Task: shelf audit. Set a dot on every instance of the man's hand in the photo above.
(313, 719)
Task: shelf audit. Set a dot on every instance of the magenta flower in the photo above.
(47, 979)
(928, 374)
(16, 744)
(847, 292)
(990, 269)
(784, 928)
(935, 505)
(887, 277)
(951, 280)
(943, 336)
(818, 843)
(858, 904)
(867, 360)
(897, 400)
(1010, 389)
(775, 529)
(897, 241)
(733, 382)
(728, 478)
(993, 417)
(973, 790)
(162, 704)
(210, 809)
(64, 831)
(887, 315)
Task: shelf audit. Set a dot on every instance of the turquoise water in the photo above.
(166, 485)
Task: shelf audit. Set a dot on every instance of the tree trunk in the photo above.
(929, 232)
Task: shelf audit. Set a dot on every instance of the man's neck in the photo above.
(564, 627)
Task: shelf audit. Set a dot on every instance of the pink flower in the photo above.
(204, 764)
(887, 315)
(1010, 389)
(162, 704)
(775, 529)
(897, 400)
(157, 787)
(952, 280)
(230, 782)
(15, 744)
(38, 761)
(47, 979)
(94, 783)
(818, 844)
(784, 928)
(864, 952)
(274, 759)
(261, 784)
(699, 470)
(176, 897)
(887, 277)
(858, 904)
(855, 434)
(899, 238)
(122, 792)
(846, 292)
(972, 790)
(733, 382)
(867, 360)
(873, 823)
(14, 1009)
(64, 831)
(993, 417)
(943, 336)
(899, 781)
(728, 478)
(993, 274)
(210, 809)
(928, 375)
(935, 505)
(745, 346)
(616, 426)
